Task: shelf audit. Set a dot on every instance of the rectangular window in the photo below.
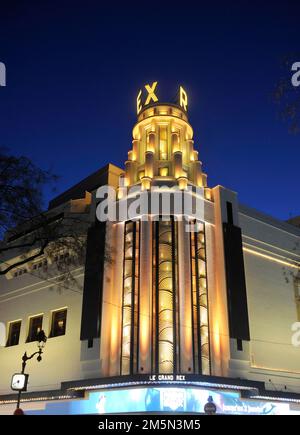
(14, 333)
(35, 326)
(199, 301)
(90, 343)
(163, 172)
(58, 324)
(163, 143)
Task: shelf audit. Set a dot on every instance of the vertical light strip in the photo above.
(203, 301)
(145, 298)
(165, 302)
(130, 298)
(154, 340)
(195, 310)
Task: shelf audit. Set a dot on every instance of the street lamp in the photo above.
(19, 380)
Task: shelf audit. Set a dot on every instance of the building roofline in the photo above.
(86, 184)
(77, 389)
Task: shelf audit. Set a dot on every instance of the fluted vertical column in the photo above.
(130, 172)
(190, 149)
(145, 314)
(185, 302)
(152, 141)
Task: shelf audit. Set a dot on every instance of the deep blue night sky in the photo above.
(74, 69)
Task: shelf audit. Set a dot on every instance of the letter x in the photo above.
(151, 94)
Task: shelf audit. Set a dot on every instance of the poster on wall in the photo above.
(165, 400)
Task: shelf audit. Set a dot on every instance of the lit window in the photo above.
(14, 333)
(58, 324)
(35, 326)
(20, 272)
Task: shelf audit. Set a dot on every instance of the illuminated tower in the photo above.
(156, 293)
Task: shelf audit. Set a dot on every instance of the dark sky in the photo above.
(74, 69)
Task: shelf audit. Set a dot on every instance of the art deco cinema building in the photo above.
(173, 309)
(158, 283)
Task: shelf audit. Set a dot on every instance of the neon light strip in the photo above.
(271, 246)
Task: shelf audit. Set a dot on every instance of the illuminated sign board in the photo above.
(166, 400)
(148, 95)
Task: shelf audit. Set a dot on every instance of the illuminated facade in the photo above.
(164, 314)
(207, 308)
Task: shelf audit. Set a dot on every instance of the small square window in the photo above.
(35, 326)
(14, 333)
(58, 324)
